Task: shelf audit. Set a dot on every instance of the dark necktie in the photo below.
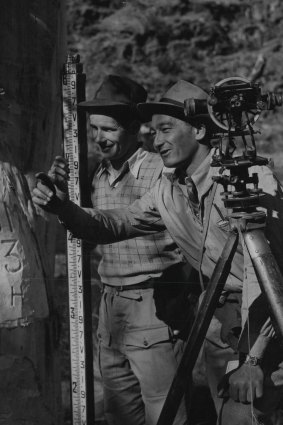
(192, 195)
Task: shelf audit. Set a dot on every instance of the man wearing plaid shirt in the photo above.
(137, 354)
(197, 221)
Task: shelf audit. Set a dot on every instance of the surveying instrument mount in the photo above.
(234, 104)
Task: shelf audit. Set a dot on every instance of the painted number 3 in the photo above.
(12, 260)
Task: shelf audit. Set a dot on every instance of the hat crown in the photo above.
(115, 88)
(172, 102)
(183, 90)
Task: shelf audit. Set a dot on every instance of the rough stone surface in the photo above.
(31, 42)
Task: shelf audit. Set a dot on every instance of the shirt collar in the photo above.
(202, 176)
(133, 164)
(168, 172)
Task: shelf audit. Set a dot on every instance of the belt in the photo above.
(147, 284)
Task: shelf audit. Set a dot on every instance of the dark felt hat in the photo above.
(172, 102)
(116, 95)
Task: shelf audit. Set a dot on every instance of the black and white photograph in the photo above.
(141, 212)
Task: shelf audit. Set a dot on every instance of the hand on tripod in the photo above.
(243, 384)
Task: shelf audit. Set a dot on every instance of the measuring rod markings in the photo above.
(74, 250)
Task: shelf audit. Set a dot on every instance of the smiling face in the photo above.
(115, 142)
(174, 140)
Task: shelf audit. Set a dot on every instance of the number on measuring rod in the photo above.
(73, 83)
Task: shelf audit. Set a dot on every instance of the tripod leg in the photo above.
(269, 275)
(198, 332)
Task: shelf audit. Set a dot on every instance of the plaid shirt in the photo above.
(133, 260)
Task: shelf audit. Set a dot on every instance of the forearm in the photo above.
(91, 224)
(102, 227)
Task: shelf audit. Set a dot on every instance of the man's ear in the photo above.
(200, 132)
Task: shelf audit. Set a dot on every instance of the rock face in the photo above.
(23, 295)
(202, 41)
(32, 43)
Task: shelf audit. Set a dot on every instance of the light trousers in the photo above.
(137, 358)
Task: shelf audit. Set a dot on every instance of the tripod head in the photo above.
(234, 105)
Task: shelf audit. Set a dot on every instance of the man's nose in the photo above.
(98, 135)
(158, 141)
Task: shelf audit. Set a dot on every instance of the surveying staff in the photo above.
(189, 204)
(137, 354)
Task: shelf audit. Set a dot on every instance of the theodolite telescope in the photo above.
(233, 104)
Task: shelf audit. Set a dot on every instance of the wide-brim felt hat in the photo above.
(172, 102)
(116, 95)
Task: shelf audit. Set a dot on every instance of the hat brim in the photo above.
(104, 104)
(112, 109)
(147, 110)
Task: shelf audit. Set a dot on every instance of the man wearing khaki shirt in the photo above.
(188, 203)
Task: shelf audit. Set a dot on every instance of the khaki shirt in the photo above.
(167, 205)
